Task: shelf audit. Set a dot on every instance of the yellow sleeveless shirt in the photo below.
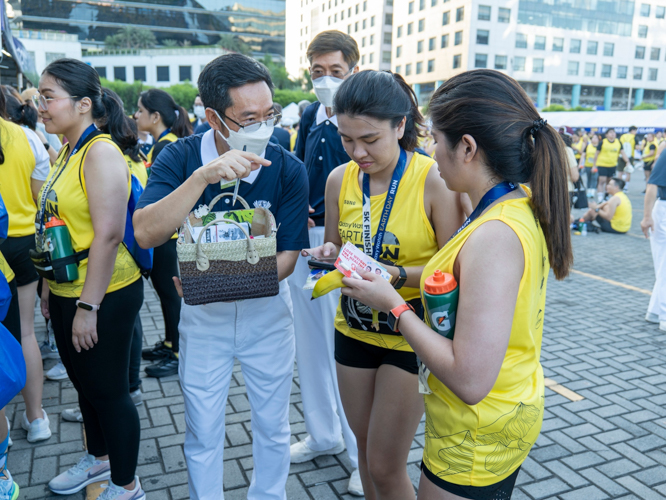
(138, 169)
(482, 444)
(621, 220)
(590, 151)
(579, 145)
(609, 153)
(15, 174)
(409, 239)
(170, 137)
(5, 269)
(68, 200)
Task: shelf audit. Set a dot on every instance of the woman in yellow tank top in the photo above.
(379, 122)
(159, 115)
(486, 404)
(93, 316)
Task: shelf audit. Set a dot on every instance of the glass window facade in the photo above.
(612, 17)
(539, 42)
(590, 69)
(622, 72)
(445, 41)
(521, 41)
(419, 46)
(484, 12)
(655, 52)
(139, 73)
(519, 63)
(500, 62)
(421, 25)
(410, 28)
(609, 49)
(537, 65)
(482, 37)
(457, 38)
(120, 73)
(456, 61)
(410, 8)
(386, 56)
(652, 74)
(660, 12)
(419, 68)
(408, 69)
(642, 31)
(431, 65)
(398, 51)
(558, 44)
(606, 70)
(460, 14)
(446, 18)
(185, 73)
(101, 71)
(422, 4)
(592, 48)
(398, 33)
(638, 73)
(504, 15)
(481, 61)
(163, 73)
(572, 68)
(645, 10)
(574, 46)
(431, 44)
(640, 52)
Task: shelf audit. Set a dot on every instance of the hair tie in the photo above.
(537, 125)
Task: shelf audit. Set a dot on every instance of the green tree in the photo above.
(554, 107)
(169, 42)
(128, 92)
(234, 43)
(183, 93)
(285, 97)
(279, 74)
(130, 37)
(645, 106)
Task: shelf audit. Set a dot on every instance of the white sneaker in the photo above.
(89, 470)
(9, 428)
(48, 350)
(355, 486)
(72, 415)
(38, 429)
(58, 372)
(113, 492)
(137, 397)
(652, 318)
(301, 452)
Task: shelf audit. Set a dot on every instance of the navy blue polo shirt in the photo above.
(320, 148)
(281, 187)
(658, 176)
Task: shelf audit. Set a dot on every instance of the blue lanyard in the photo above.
(167, 131)
(49, 187)
(494, 194)
(388, 205)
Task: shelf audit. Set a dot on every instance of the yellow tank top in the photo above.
(170, 137)
(483, 444)
(5, 269)
(15, 174)
(590, 152)
(629, 138)
(621, 220)
(409, 239)
(68, 200)
(138, 169)
(609, 153)
(648, 155)
(578, 147)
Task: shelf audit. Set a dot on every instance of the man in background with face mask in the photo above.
(333, 57)
(237, 93)
(200, 123)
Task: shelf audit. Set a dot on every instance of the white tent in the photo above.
(290, 114)
(646, 121)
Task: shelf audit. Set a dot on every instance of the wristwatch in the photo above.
(86, 306)
(400, 280)
(394, 316)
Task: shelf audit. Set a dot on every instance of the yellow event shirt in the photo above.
(15, 183)
(409, 239)
(590, 152)
(483, 444)
(68, 201)
(578, 148)
(621, 220)
(608, 153)
(629, 138)
(649, 155)
(138, 169)
(170, 137)
(5, 269)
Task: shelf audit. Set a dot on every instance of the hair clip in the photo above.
(537, 125)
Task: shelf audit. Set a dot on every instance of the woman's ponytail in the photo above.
(415, 122)
(114, 122)
(181, 126)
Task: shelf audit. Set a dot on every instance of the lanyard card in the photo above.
(351, 259)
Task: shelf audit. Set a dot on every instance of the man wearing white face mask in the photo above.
(200, 123)
(333, 57)
(237, 93)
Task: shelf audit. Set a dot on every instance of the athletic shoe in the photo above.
(156, 353)
(301, 452)
(58, 372)
(113, 492)
(355, 486)
(137, 397)
(48, 351)
(38, 429)
(652, 318)
(72, 415)
(89, 470)
(164, 368)
(9, 490)
(9, 429)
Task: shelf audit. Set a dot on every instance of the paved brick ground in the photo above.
(612, 444)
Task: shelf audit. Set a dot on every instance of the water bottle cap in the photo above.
(54, 222)
(440, 283)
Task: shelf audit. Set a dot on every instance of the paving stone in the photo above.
(545, 489)
(650, 477)
(618, 468)
(589, 493)
(563, 472)
(583, 460)
(605, 483)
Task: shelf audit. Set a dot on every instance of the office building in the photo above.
(368, 21)
(259, 23)
(600, 54)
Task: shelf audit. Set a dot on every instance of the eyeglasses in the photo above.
(253, 126)
(336, 73)
(41, 101)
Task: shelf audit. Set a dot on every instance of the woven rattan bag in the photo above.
(228, 270)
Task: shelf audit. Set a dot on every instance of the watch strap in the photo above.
(395, 313)
(88, 307)
(400, 280)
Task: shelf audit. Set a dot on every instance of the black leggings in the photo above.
(100, 376)
(165, 267)
(12, 321)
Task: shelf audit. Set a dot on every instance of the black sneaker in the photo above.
(156, 353)
(164, 368)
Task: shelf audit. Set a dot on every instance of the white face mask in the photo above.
(199, 112)
(254, 142)
(325, 88)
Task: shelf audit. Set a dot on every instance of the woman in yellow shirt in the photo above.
(93, 315)
(486, 404)
(159, 115)
(379, 122)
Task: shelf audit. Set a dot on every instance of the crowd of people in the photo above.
(487, 172)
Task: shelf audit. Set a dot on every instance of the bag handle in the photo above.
(222, 195)
(203, 263)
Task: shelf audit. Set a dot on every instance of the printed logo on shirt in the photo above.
(262, 204)
(52, 205)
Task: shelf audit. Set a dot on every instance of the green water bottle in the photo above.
(440, 295)
(59, 245)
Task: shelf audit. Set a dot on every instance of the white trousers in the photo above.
(260, 334)
(658, 246)
(325, 418)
